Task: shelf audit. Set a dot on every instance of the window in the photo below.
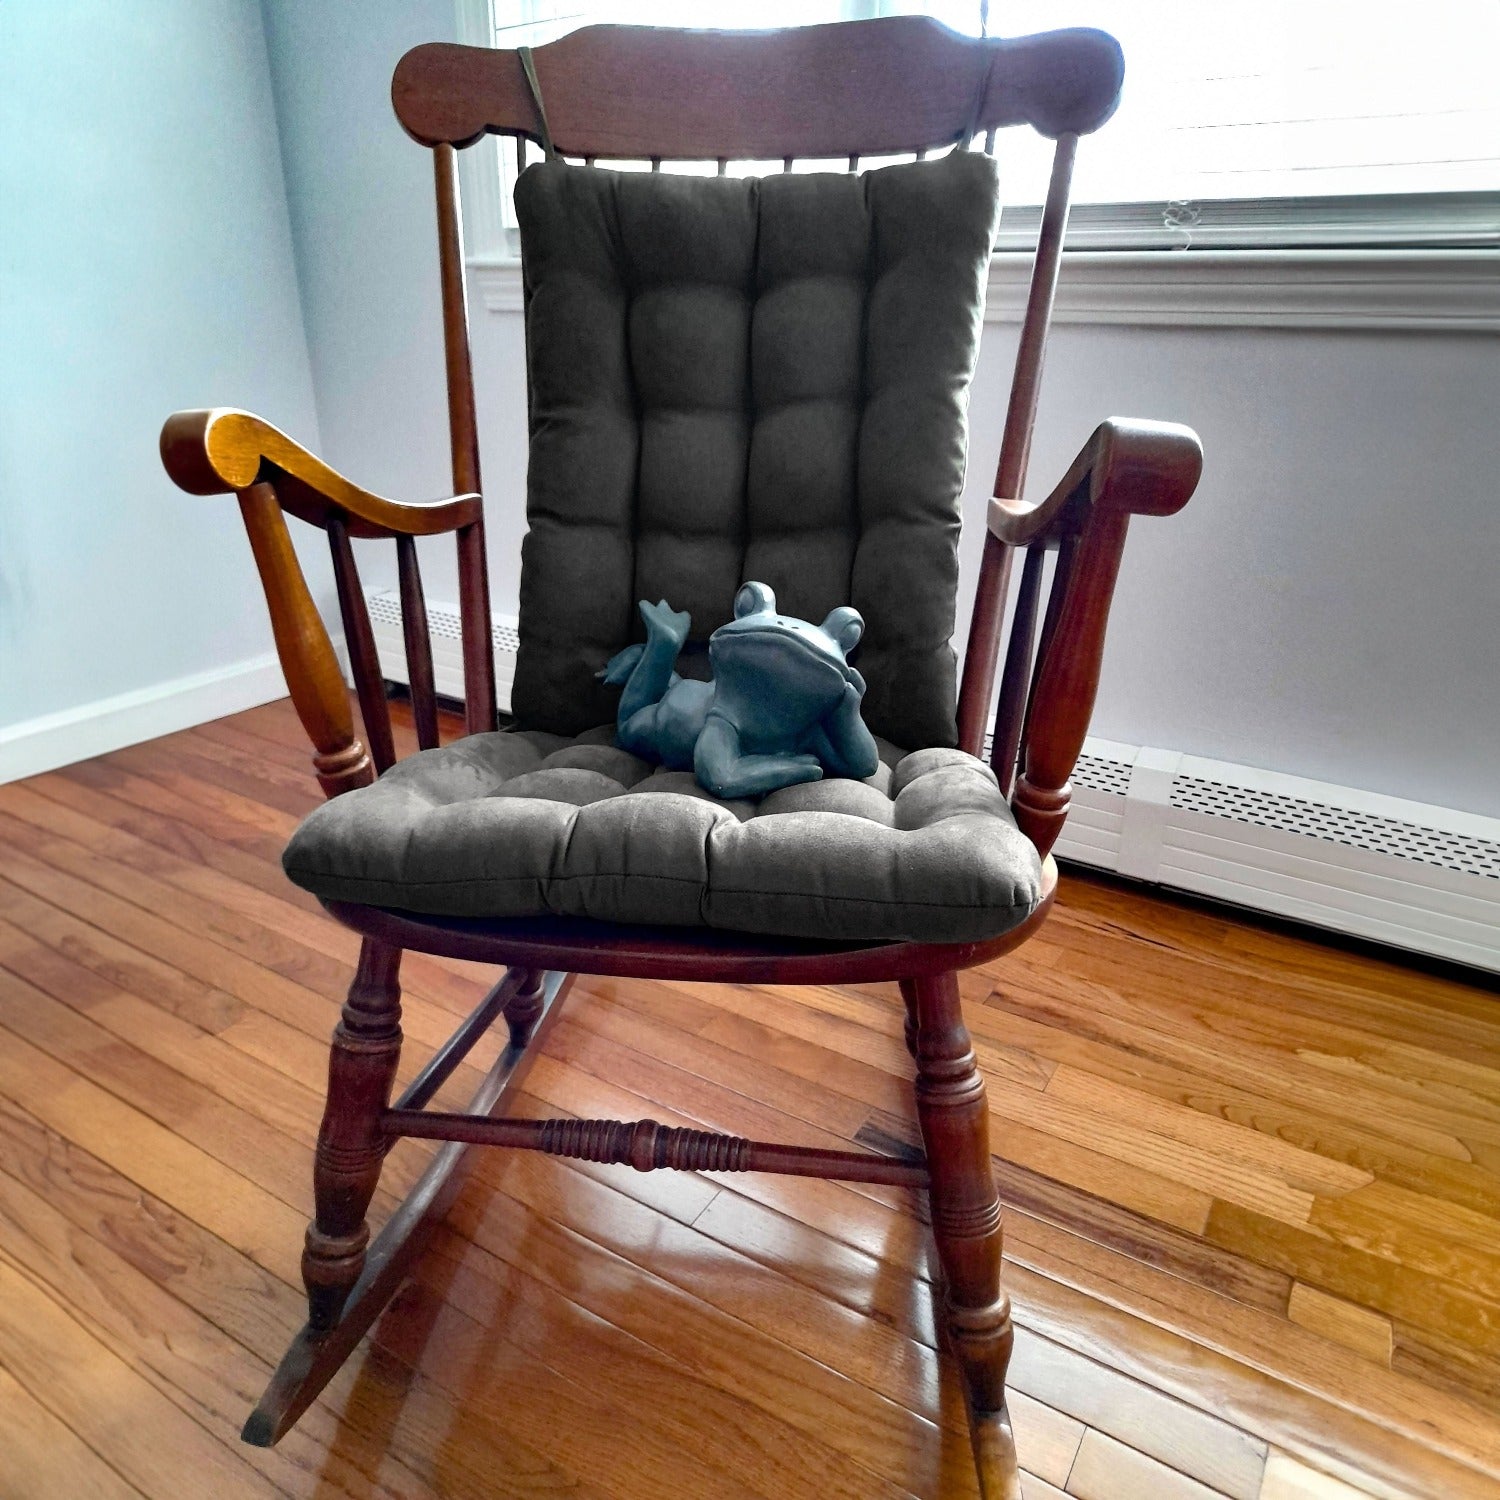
(1244, 123)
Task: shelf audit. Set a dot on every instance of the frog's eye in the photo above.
(846, 625)
(754, 599)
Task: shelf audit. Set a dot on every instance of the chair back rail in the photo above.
(878, 87)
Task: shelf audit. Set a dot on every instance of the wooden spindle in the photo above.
(921, 153)
(369, 685)
(854, 161)
(418, 643)
(1066, 680)
(989, 142)
(473, 572)
(786, 163)
(311, 668)
(478, 631)
(520, 154)
(977, 690)
(1062, 571)
(723, 167)
(463, 430)
(1016, 679)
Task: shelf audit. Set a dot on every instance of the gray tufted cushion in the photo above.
(526, 824)
(735, 379)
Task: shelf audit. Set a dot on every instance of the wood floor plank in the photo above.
(751, 1445)
(387, 1421)
(157, 1159)
(202, 1372)
(1350, 1271)
(1358, 1328)
(1391, 1152)
(1298, 1168)
(1107, 1470)
(43, 1456)
(1206, 1448)
(1286, 1479)
(1046, 1439)
(110, 1406)
(1036, 1488)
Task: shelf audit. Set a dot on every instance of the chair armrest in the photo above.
(225, 451)
(1133, 467)
(232, 452)
(1126, 468)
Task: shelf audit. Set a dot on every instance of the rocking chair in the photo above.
(730, 378)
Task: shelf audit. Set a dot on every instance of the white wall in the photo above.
(145, 265)
(1325, 606)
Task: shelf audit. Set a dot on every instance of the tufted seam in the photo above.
(597, 875)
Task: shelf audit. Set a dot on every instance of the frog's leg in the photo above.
(652, 674)
(842, 742)
(619, 667)
(728, 772)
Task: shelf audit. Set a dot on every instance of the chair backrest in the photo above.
(845, 90)
(848, 90)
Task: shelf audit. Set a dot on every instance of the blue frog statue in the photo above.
(783, 706)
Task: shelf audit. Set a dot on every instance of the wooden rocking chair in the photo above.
(839, 91)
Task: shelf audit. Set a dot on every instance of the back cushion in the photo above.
(736, 378)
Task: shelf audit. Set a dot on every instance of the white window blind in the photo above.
(1244, 123)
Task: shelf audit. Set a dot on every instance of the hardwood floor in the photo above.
(1252, 1187)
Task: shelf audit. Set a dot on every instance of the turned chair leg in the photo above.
(525, 1010)
(351, 1145)
(954, 1114)
(909, 994)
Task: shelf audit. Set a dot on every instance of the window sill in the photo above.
(1417, 290)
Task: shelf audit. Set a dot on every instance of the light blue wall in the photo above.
(145, 265)
(360, 193)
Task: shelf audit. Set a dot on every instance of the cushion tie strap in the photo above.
(528, 66)
(967, 139)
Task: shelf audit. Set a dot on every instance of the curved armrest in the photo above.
(1132, 467)
(225, 451)
(1126, 468)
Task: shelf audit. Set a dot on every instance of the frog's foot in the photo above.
(665, 623)
(621, 664)
(727, 772)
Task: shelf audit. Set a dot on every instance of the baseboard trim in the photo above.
(59, 739)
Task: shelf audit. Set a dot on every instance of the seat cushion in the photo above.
(516, 824)
(736, 378)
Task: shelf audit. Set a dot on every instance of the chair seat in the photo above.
(517, 824)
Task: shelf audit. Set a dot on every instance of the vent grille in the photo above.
(1339, 825)
(443, 622)
(1111, 778)
(1095, 773)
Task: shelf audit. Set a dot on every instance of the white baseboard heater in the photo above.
(445, 629)
(1415, 876)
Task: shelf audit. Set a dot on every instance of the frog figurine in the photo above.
(783, 706)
